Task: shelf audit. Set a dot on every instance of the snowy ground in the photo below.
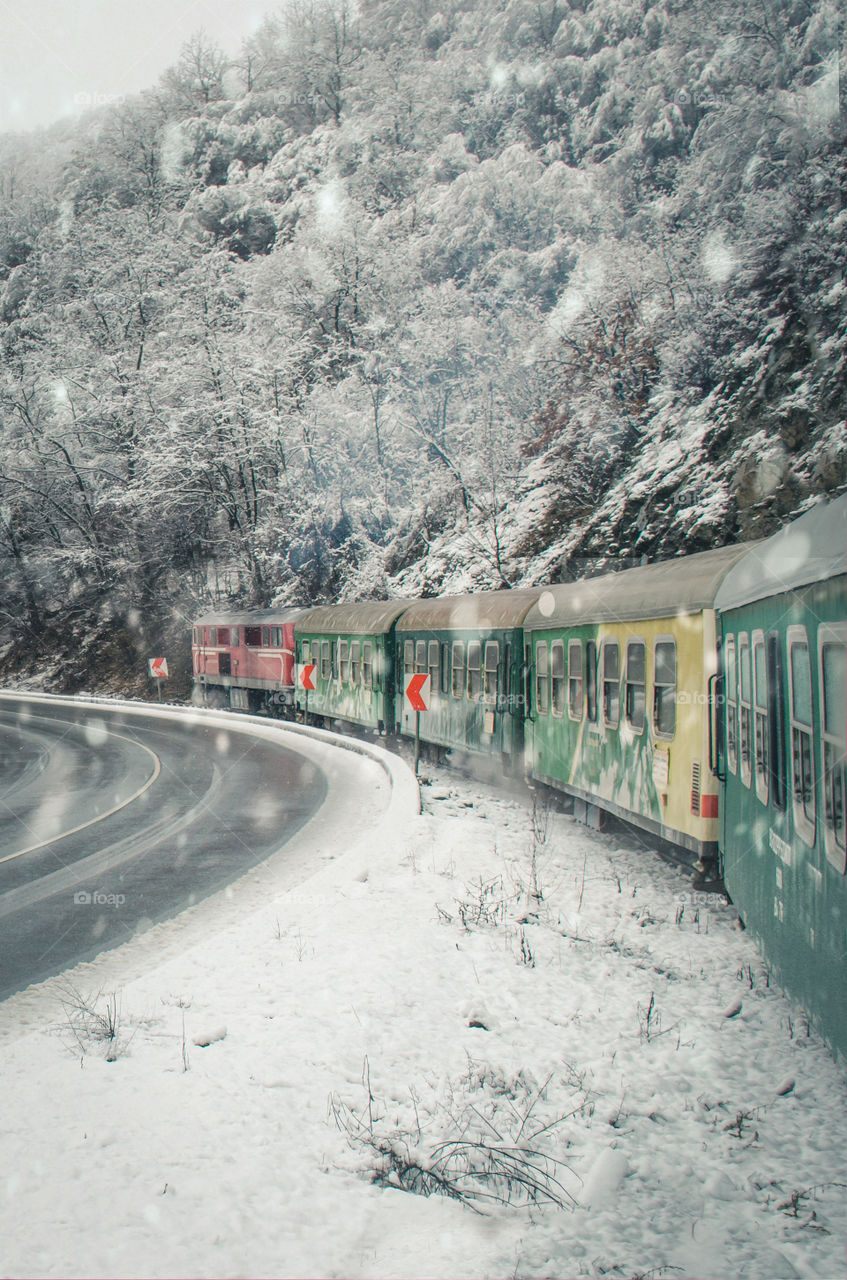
(587, 1037)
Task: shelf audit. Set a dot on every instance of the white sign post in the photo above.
(158, 670)
(417, 695)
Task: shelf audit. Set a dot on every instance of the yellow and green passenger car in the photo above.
(618, 670)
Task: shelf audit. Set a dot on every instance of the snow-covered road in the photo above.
(458, 997)
(115, 816)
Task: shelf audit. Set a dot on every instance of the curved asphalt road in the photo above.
(111, 821)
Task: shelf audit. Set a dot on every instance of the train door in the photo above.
(510, 739)
(524, 684)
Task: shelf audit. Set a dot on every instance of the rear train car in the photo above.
(783, 631)
(618, 671)
(245, 660)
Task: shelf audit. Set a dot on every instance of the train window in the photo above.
(611, 683)
(326, 663)
(434, 663)
(745, 703)
(761, 737)
(266, 637)
(664, 688)
(367, 664)
(474, 669)
(408, 658)
(776, 717)
(731, 680)
(458, 669)
(802, 757)
(635, 697)
(575, 679)
(253, 637)
(507, 676)
(223, 635)
(542, 679)
(591, 681)
(354, 662)
(213, 635)
(276, 637)
(557, 677)
(492, 670)
(833, 673)
(306, 652)
(445, 667)
(420, 657)
(344, 661)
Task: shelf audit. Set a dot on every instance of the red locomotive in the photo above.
(245, 660)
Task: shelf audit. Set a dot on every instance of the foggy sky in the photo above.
(60, 57)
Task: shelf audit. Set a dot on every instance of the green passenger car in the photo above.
(783, 625)
(619, 715)
(351, 650)
(471, 647)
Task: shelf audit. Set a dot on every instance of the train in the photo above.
(701, 699)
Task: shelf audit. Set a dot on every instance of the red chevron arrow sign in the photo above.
(417, 692)
(158, 668)
(307, 670)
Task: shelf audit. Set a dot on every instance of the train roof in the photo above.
(484, 610)
(368, 617)
(250, 617)
(666, 589)
(810, 549)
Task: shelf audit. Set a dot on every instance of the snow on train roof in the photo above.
(480, 611)
(666, 589)
(250, 617)
(810, 549)
(369, 617)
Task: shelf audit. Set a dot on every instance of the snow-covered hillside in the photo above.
(410, 299)
(582, 1060)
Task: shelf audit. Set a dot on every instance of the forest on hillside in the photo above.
(414, 297)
